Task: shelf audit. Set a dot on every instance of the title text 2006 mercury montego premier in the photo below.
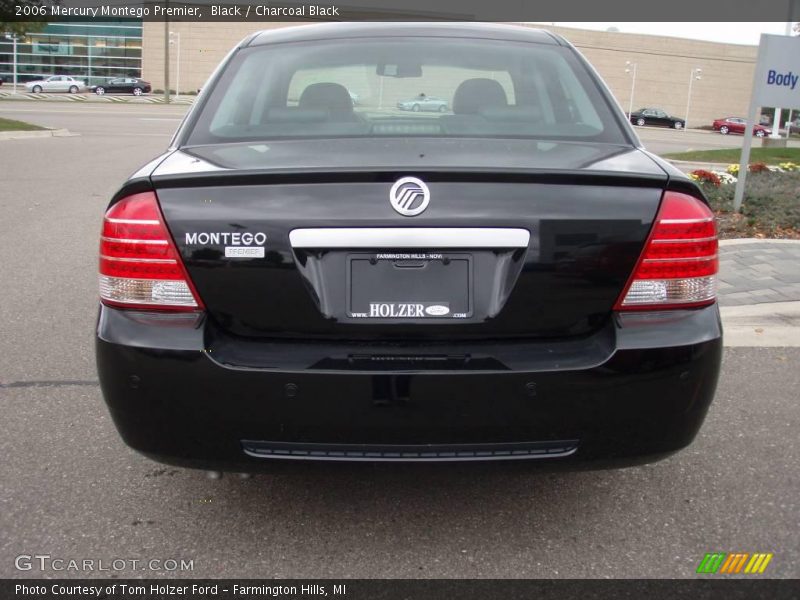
(305, 278)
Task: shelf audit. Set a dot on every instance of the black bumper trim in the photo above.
(408, 453)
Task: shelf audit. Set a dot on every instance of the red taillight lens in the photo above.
(679, 263)
(139, 265)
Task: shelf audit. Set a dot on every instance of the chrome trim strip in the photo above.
(140, 260)
(685, 221)
(685, 240)
(410, 237)
(134, 221)
(682, 259)
(129, 241)
(408, 453)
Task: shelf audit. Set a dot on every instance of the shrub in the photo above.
(771, 200)
(708, 177)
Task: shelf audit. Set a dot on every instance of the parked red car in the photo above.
(738, 125)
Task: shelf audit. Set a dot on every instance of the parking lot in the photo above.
(71, 489)
(141, 119)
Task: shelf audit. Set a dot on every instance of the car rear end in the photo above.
(298, 280)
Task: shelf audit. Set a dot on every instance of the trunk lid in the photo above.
(582, 211)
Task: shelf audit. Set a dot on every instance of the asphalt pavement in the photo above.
(140, 118)
(70, 489)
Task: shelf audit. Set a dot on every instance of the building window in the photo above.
(92, 52)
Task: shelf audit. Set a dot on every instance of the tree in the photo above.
(9, 22)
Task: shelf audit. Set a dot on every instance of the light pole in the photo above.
(166, 60)
(177, 42)
(631, 68)
(693, 74)
(13, 38)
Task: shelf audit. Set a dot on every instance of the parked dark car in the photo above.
(738, 125)
(300, 279)
(123, 85)
(657, 118)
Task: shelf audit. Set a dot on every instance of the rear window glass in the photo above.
(432, 87)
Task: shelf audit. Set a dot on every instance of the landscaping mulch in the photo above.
(771, 207)
(736, 225)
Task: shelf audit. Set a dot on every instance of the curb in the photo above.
(93, 99)
(709, 166)
(697, 164)
(747, 241)
(38, 133)
(773, 324)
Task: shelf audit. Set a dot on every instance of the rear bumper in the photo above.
(635, 391)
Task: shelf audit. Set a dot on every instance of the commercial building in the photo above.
(94, 51)
(663, 65)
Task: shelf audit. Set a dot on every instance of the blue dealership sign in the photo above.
(777, 77)
(775, 85)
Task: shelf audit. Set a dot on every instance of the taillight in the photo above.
(139, 264)
(679, 263)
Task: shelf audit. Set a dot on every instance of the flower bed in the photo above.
(771, 207)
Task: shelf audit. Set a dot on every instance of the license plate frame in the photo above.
(436, 286)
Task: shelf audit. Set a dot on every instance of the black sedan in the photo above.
(123, 85)
(301, 279)
(657, 118)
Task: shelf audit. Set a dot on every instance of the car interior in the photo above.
(489, 90)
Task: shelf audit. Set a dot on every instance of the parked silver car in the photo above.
(423, 103)
(56, 83)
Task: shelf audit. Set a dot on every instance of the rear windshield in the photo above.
(432, 87)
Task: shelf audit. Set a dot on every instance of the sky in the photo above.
(732, 33)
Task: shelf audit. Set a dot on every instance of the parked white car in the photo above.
(56, 83)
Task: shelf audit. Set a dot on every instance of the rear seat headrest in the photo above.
(476, 94)
(331, 96)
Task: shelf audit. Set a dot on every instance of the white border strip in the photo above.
(746, 241)
(410, 237)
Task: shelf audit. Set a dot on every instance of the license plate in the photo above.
(391, 286)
